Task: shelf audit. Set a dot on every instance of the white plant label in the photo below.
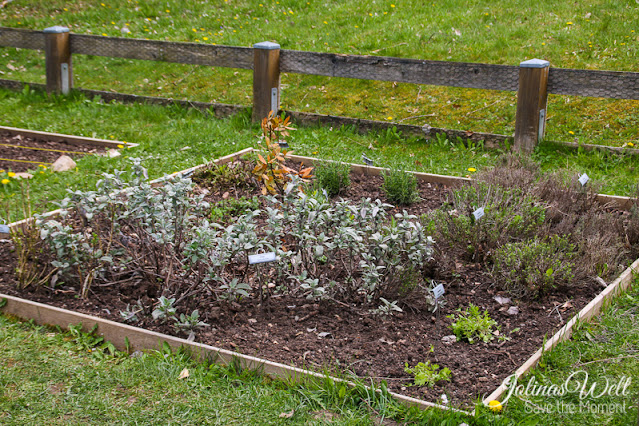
(4, 229)
(438, 291)
(262, 258)
(583, 179)
(479, 213)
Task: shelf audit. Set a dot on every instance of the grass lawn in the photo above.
(593, 35)
(175, 138)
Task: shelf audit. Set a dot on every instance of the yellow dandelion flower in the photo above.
(168, 11)
(325, 22)
(630, 144)
(495, 406)
(389, 117)
(205, 38)
(472, 169)
(543, 44)
(11, 174)
(392, 5)
(65, 9)
(104, 34)
(1, 170)
(5, 181)
(568, 23)
(571, 132)
(120, 146)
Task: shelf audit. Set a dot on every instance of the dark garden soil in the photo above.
(344, 338)
(19, 148)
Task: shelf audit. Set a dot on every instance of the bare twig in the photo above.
(484, 107)
(417, 116)
(607, 359)
(389, 47)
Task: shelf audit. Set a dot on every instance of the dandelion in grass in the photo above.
(571, 132)
(630, 144)
(120, 146)
(472, 169)
(5, 181)
(568, 23)
(11, 174)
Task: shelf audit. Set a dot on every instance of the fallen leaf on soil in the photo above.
(184, 374)
(566, 305)
(502, 300)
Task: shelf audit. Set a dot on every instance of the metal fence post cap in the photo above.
(266, 45)
(535, 63)
(56, 30)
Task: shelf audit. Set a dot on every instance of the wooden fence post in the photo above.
(530, 122)
(266, 79)
(58, 60)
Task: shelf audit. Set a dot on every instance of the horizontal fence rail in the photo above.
(155, 50)
(437, 73)
(597, 84)
(22, 39)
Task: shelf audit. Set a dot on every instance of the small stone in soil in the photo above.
(449, 340)
(513, 310)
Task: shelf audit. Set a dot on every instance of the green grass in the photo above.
(59, 378)
(591, 35)
(607, 350)
(164, 133)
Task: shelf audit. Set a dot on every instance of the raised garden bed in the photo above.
(22, 150)
(353, 334)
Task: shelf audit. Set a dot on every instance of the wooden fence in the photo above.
(533, 80)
